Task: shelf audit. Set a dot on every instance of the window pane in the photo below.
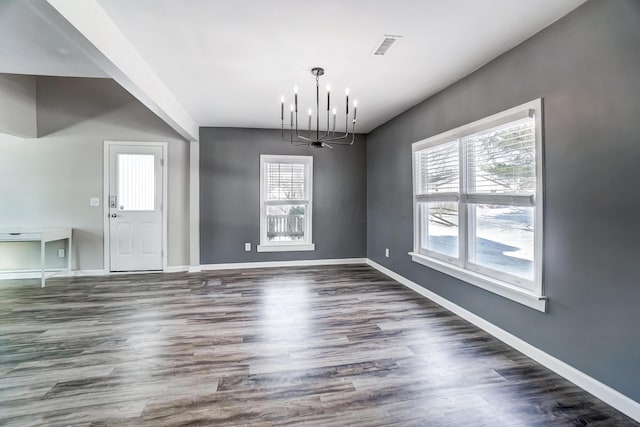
(502, 159)
(285, 181)
(285, 223)
(504, 239)
(136, 182)
(439, 225)
(438, 169)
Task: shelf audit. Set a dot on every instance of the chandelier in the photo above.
(319, 139)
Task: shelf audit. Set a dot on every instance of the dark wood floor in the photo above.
(315, 346)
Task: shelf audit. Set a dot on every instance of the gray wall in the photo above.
(18, 105)
(587, 68)
(230, 196)
(48, 181)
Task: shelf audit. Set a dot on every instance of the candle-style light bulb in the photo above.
(346, 108)
(310, 111)
(282, 108)
(328, 96)
(335, 111)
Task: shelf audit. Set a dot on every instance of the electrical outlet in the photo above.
(386, 252)
(60, 253)
(247, 247)
(94, 201)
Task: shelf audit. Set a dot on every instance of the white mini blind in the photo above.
(503, 159)
(438, 169)
(136, 182)
(285, 181)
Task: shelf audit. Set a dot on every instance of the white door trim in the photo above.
(105, 196)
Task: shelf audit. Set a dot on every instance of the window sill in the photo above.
(522, 296)
(287, 248)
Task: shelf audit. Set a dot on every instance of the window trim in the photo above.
(306, 244)
(525, 292)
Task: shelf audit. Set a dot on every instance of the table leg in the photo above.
(69, 255)
(42, 260)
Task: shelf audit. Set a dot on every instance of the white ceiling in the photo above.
(228, 62)
(29, 44)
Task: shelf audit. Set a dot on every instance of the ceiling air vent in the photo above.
(384, 44)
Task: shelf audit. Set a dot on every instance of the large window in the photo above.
(286, 189)
(478, 203)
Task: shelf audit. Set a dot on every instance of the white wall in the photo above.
(48, 181)
(18, 105)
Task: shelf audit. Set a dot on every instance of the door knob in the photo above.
(114, 216)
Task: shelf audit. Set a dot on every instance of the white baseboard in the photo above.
(59, 272)
(30, 274)
(83, 273)
(602, 391)
(267, 264)
(35, 274)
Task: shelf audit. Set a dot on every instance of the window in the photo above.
(286, 189)
(136, 182)
(478, 203)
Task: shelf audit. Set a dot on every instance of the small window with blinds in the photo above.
(136, 182)
(478, 203)
(285, 203)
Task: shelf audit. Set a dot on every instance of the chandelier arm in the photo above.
(292, 141)
(282, 130)
(297, 131)
(296, 142)
(304, 138)
(353, 129)
(327, 133)
(335, 138)
(345, 142)
(353, 136)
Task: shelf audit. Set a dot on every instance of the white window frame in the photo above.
(529, 293)
(307, 244)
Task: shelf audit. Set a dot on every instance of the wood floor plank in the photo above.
(313, 346)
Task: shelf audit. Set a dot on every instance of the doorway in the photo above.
(135, 198)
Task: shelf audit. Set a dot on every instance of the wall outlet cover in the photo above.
(94, 201)
(247, 247)
(60, 253)
(386, 252)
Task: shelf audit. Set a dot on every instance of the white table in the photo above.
(42, 235)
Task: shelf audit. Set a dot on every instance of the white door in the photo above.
(135, 207)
